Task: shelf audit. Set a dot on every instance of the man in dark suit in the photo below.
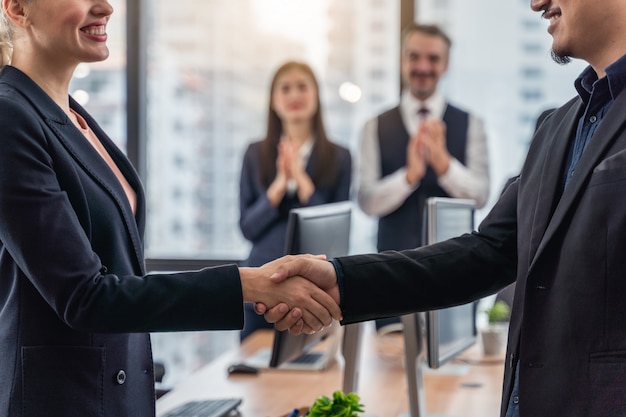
(558, 231)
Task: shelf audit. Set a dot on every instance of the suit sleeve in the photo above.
(43, 241)
(341, 186)
(256, 214)
(450, 273)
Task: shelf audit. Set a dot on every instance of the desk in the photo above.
(382, 382)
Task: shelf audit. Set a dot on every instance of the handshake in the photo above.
(298, 293)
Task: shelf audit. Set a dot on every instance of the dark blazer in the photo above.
(75, 302)
(566, 251)
(266, 226)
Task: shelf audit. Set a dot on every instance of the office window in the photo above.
(208, 74)
(533, 47)
(531, 72)
(531, 94)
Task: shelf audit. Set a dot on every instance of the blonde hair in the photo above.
(6, 36)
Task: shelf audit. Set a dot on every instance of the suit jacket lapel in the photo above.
(550, 180)
(85, 155)
(602, 139)
(89, 159)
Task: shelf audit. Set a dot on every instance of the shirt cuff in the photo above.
(339, 273)
(455, 170)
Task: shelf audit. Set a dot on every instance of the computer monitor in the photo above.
(322, 229)
(435, 337)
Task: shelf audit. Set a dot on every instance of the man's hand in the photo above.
(316, 307)
(415, 160)
(432, 135)
(319, 272)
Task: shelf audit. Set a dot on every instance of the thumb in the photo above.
(293, 267)
(283, 272)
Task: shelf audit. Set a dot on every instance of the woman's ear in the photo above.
(15, 11)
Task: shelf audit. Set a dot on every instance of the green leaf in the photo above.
(342, 405)
(500, 311)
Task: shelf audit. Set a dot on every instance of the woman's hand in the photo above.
(296, 171)
(277, 189)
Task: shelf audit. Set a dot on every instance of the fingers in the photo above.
(319, 272)
(329, 303)
(292, 321)
(260, 308)
(297, 329)
(317, 307)
(311, 287)
(290, 258)
(314, 303)
(415, 158)
(280, 312)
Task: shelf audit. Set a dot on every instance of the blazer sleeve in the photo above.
(256, 214)
(449, 273)
(341, 187)
(43, 241)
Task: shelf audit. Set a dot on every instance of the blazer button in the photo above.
(120, 377)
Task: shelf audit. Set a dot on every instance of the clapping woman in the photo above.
(295, 165)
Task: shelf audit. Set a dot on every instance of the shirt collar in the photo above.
(436, 104)
(615, 74)
(305, 150)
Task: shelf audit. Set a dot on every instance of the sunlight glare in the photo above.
(292, 18)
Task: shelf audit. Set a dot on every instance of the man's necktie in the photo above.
(422, 114)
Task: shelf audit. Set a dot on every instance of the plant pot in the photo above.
(494, 339)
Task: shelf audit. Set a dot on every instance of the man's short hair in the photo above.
(426, 29)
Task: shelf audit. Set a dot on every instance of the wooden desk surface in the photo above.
(468, 387)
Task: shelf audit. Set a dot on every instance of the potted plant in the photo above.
(341, 405)
(495, 333)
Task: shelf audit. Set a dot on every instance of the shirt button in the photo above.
(120, 377)
(516, 399)
(593, 119)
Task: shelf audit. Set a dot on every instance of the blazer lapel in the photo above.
(550, 180)
(85, 155)
(602, 139)
(90, 161)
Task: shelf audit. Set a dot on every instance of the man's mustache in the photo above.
(422, 74)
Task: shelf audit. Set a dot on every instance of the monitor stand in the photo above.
(351, 352)
(415, 360)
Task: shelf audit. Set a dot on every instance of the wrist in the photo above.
(441, 165)
(248, 290)
(411, 178)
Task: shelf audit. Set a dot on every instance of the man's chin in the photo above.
(561, 58)
(422, 93)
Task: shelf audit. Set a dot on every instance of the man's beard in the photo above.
(560, 59)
